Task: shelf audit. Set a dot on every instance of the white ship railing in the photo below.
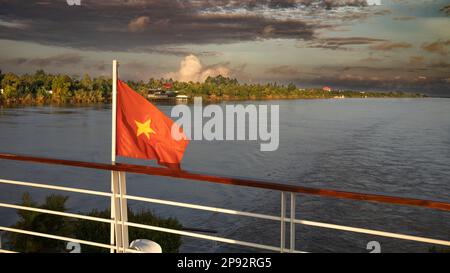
(120, 224)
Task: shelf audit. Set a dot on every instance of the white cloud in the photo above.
(191, 69)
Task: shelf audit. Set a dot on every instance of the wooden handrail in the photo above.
(234, 181)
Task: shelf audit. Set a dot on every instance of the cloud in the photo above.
(191, 69)
(389, 46)
(342, 43)
(438, 47)
(283, 70)
(440, 65)
(381, 78)
(139, 24)
(14, 24)
(404, 18)
(57, 60)
(416, 60)
(446, 9)
(181, 52)
(113, 24)
(371, 60)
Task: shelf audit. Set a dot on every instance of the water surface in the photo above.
(397, 147)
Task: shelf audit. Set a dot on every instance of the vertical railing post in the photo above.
(292, 236)
(283, 226)
(123, 209)
(116, 211)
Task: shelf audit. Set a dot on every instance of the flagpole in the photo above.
(119, 208)
(114, 176)
(114, 111)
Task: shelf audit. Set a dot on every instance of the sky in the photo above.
(399, 45)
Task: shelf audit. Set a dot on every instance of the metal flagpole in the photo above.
(115, 214)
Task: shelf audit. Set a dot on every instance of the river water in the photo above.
(398, 147)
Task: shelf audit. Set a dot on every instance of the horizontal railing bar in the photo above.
(52, 187)
(234, 181)
(7, 251)
(60, 213)
(374, 232)
(56, 237)
(201, 207)
(206, 237)
(288, 220)
(233, 212)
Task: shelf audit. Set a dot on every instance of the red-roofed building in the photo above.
(327, 89)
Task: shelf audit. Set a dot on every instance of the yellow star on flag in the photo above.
(144, 128)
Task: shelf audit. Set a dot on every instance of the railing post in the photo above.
(283, 226)
(123, 209)
(292, 236)
(115, 212)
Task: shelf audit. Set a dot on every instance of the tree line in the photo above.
(44, 88)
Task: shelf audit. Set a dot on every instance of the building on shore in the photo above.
(327, 89)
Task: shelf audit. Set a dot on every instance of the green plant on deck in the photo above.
(82, 229)
(40, 222)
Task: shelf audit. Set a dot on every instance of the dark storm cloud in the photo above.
(328, 4)
(128, 25)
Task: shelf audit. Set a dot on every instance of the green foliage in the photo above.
(82, 229)
(40, 222)
(86, 83)
(35, 89)
(61, 88)
(10, 85)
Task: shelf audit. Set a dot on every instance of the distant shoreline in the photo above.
(48, 89)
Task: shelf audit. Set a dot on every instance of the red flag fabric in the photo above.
(143, 131)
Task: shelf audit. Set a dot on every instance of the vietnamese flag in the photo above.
(143, 131)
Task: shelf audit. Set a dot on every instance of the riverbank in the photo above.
(87, 100)
(47, 89)
(190, 101)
